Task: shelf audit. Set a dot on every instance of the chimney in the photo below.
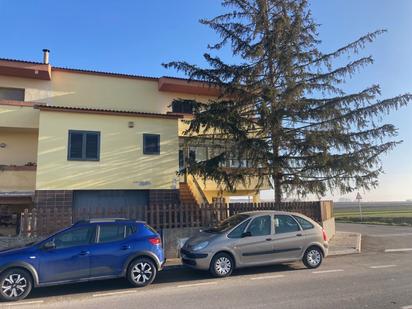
(46, 56)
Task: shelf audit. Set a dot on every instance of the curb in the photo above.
(172, 267)
(353, 250)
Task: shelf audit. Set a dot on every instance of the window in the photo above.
(75, 237)
(238, 231)
(260, 226)
(15, 94)
(285, 224)
(182, 107)
(228, 224)
(305, 224)
(111, 232)
(181, 160)
(151, 144)
(84, 146)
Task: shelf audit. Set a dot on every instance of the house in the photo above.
(85, 139)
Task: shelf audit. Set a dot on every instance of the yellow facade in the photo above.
(68, 88)
(18, 117)
(42, 136)
(122, 163)
(20, 146)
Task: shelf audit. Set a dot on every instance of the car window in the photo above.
(285, 224)
(260, 226)
(130, 229)
(74, 237)
(238, 231)
(111, 232)
(228, 224)
(305, 224)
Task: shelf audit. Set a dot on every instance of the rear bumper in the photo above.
(162, 264)
(325, 249)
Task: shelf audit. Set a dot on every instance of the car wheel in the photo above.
(222, 265)
(141, 272)
(15, 284)
(313, 257)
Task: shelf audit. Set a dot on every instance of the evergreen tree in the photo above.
(282, 106)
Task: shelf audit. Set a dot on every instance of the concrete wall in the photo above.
(329, 227)
(328, 219)
(172, 240)
(122, 163)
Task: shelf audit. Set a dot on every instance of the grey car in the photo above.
(256, 238)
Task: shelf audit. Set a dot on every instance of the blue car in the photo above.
(88, 250)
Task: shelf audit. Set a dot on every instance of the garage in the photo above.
(109, 203)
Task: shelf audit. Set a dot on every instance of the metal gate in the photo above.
(129, 204)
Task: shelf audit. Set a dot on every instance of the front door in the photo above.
(288, 238)
(70, 258)
(256, 248)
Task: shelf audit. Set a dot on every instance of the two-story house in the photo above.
(89, 139)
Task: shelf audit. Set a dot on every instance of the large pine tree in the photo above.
(283, 108)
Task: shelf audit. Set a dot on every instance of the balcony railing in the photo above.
(17, 178)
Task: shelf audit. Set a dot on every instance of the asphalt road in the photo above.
(373, 279)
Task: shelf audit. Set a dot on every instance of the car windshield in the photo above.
(227, 224)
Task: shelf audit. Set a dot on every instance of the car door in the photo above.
(68, 259)
(111, 250)
(288, 238)
(256, 247)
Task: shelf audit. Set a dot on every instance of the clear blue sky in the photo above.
(137, 36)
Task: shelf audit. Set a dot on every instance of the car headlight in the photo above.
(200, 246)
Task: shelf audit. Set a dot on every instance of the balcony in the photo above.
(17, 178)
(18, 114)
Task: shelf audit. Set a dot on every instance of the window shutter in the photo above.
(92, 146)
(76, 145)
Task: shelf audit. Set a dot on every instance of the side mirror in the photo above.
(246, 234)
(49, 245)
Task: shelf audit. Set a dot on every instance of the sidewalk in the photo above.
(345, 243)
(341, 244)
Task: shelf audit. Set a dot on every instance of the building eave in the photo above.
(86, 110)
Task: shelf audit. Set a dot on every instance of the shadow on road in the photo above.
(167, 276)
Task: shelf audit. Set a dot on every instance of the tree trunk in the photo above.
(278, 189)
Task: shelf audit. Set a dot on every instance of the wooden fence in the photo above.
(43, 221)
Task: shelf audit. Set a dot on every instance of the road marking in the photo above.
(26, 303)
(267, 277)
(398, 250)
(327, 271)
(196, 284)
(113, 293)
(382, 266)
(407, 307)
(389, 235)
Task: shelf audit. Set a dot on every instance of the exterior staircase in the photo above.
(186, 195)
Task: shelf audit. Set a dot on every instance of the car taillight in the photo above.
(325, 237)
(155, 240)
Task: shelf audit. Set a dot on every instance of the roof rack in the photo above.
(101, 220)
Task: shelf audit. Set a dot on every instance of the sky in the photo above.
(137, 36)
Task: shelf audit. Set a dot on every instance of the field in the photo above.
(392, 213)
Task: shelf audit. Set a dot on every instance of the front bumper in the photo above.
(197, 260)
